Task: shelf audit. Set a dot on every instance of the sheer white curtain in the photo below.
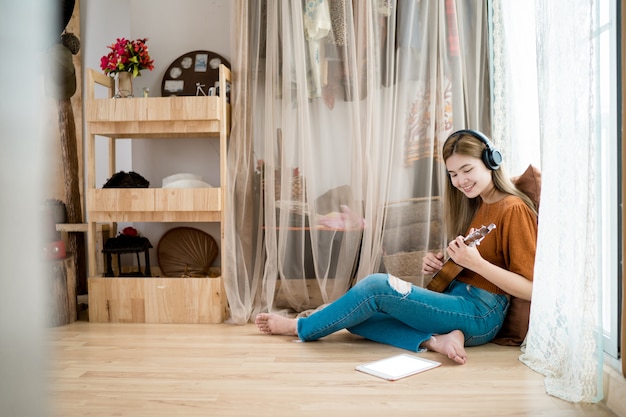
(339, 111)
(515, 113)
(563, 341)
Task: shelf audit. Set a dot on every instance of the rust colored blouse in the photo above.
(511, 245)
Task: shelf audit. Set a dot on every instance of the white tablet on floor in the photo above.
(397, 367)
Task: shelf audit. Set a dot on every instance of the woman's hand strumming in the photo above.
(432, 263)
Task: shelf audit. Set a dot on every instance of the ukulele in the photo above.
(450, 269)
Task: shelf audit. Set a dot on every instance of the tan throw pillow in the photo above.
(515, 326)
(530, 183)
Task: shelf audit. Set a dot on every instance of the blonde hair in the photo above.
(460, 210)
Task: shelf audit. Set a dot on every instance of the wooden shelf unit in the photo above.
(152, 299)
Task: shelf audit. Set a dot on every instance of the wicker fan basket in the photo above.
(186, 252)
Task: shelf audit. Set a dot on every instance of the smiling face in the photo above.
(469, 175)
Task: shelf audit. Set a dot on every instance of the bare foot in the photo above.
(275, 324)
(451, 345)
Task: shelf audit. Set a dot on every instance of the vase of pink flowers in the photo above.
(125, 61)
(123, 85)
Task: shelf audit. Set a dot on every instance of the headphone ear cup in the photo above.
(492, 158)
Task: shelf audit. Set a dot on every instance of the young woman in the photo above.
(471, 310)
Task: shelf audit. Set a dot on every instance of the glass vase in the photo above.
(124, 85)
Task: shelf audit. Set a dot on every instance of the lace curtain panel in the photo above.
(515, 113)
(339, 111)
(564, 339)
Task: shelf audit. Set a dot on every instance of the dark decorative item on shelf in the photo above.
(186, 252)
(71, 42)
(53, 212)
(126, 180)
(128, 241)
(195, 73)
(125, 62)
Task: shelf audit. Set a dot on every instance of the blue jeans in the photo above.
(385, 309)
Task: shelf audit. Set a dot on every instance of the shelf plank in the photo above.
(78, 227)
(154, 204)
(155, 117)
(156, 129)
(188, 199)
(121, 199)
(156, 300)
(154, 109)
(155, 216)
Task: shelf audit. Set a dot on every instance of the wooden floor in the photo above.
(144, 370)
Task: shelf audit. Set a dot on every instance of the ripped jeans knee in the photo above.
(380, 283)
(400, 285)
